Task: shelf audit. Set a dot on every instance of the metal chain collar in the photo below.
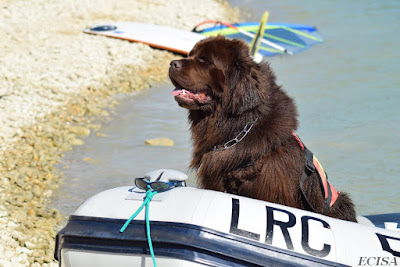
(237, 139)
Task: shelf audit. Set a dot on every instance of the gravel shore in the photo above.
(55, 84)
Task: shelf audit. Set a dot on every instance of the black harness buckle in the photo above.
(310, 167)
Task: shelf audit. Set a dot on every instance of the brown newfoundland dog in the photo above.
(243, 127)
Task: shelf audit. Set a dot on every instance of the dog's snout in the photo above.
(176, 64)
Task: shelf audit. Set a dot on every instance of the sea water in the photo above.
(346, 90)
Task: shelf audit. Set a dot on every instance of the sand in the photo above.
(56, 83)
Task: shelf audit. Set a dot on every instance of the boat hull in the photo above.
(194, 227)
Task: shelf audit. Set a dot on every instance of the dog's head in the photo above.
(218, 73)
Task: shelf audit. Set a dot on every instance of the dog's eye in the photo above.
(204, 60)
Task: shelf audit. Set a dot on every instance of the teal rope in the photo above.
(148, 234)
(146, 203)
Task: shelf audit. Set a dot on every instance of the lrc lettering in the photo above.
(284, 226)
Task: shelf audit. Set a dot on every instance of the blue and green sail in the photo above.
(294, 38)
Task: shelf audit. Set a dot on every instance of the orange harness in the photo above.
(313, 165)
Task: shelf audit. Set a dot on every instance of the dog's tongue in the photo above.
(177, 91)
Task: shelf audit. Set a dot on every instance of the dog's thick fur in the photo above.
(225, 90)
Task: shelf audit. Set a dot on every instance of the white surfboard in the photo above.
(163, 37)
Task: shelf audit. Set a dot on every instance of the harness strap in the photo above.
(308, 170)
(329, 191)
(313, 165)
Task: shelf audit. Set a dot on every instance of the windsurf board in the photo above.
(162, 37)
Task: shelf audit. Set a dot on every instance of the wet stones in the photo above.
(162, 141)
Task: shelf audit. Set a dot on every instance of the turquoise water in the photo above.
(346, 90)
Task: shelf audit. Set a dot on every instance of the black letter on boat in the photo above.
(385, 244)
(235, 221)
(283, 225)
(305, 238)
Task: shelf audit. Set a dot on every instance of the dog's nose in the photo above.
(176, 64)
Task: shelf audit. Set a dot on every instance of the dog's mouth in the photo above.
(200, 97)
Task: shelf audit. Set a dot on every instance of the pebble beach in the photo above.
(57, 85)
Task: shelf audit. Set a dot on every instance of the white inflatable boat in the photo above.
(195, 227)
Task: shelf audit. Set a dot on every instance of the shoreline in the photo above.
(56, 85)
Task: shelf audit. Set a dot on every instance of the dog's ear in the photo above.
(247, 84)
